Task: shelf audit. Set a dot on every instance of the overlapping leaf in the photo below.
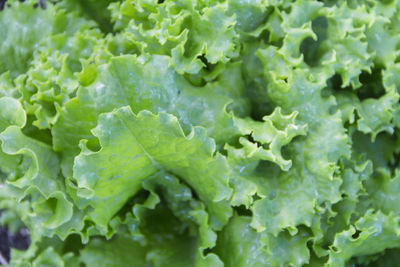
(201, 133)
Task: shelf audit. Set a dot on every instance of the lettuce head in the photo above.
(201, 132)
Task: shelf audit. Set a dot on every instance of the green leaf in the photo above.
(238, 239)
(48, 258)
(128, 81)
(39, 179)
(148, 143)
(377, 232)
(120, 251)
(182, 29)
(276, 131)
(261, 249)
(11, 113)
(22, 18)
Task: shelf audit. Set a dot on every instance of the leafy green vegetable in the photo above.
(201, 133)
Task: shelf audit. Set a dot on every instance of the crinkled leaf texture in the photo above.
(201, 133)
(134, 147)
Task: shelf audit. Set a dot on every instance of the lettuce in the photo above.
(201, 133)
